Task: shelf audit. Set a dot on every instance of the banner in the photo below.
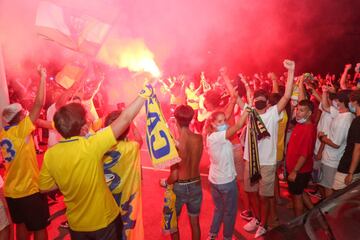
(123, 175)
(69, 74)
(70, 28)
(160, 143)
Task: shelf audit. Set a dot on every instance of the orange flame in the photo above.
(132, 54)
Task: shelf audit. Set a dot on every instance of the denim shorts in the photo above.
(189, 193)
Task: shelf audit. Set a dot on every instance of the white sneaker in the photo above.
(260, 231)
(252, 225)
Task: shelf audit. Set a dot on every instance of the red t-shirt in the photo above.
(301, 143)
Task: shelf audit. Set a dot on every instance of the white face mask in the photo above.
(335, 104)
(301, 120)
(222, 127)
(294, 103)
(352, 108)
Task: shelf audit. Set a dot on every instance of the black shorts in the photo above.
(112, 232)
(33, 211)
(301, 182)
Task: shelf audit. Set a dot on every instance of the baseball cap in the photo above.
(10, 111)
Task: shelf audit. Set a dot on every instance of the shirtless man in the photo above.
(186, 175)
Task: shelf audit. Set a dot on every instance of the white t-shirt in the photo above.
(324, 123)
(338, 132)
(267, 146)
(54, 136)
(222, 168)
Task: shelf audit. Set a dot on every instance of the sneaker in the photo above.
(260, 231)
(315, 193)
(64, 224)
(246, 215)
(211, 237)
(252, 225)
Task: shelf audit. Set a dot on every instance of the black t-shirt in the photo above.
(353, 137)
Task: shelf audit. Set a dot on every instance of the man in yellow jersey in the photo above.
(28, 208)
(123, 174)
(75, 167)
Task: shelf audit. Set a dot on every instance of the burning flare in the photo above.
(132, 54)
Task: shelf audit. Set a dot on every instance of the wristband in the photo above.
(245, 106)
(147, 91)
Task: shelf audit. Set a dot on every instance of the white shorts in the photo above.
(328, 176)
(339, 182)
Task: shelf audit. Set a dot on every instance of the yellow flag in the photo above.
(123, 175)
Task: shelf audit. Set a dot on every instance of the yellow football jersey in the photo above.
(18, 150)
(75, 165)
(281, 137)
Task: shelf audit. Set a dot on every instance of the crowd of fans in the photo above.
(257, 131)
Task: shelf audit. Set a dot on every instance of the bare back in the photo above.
(190, 151)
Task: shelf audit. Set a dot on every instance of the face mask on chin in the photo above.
(294, 103)
(352, 108)
(335, 104)
(222, 127)
(303, 120)
(260, 104)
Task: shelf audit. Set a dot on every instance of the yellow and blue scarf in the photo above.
(160, 143)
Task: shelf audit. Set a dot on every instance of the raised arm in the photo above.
(290, 66)
(136, 134)
(325, 99)
(166, 87)
(247, 89)
(275, 85)
(40, 96)
(124, 120)
(314, 92)
(344, 76)
(229, 109)
(228, 84)
(302, 91)
(238, 125)
(357, 72)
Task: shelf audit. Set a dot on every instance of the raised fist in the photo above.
(348, 66)
(325, 88)
(223, 71)
(271, 76)
(289, 64)
(357, 67)
(42, 70)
